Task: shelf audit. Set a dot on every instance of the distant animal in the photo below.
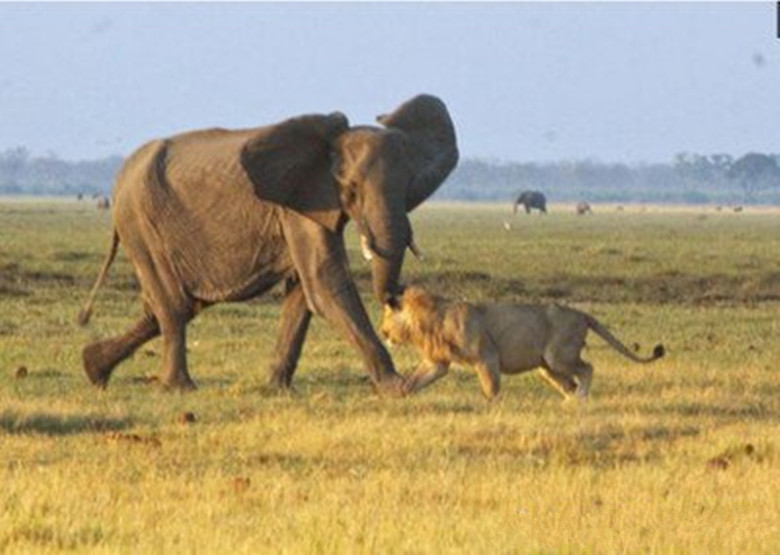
(583, 208)
(103, 203)
(80, 197)
(497, 339)
(531, 199)
(738, 209)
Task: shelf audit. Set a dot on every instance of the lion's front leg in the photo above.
(425, 375)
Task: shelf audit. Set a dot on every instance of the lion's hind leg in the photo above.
(584, 375)
(562, 383)
(562, 366)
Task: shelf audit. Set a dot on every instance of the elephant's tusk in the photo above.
(365, 246)
(368, 243)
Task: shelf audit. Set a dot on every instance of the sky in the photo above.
(605, 81)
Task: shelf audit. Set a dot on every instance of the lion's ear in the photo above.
(419, 300)
(393, 301)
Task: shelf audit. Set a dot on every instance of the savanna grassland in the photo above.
(679, 456)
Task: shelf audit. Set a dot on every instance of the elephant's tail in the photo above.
(86, 312)
(607, 336)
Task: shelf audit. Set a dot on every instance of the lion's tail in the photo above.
(86, 312)
(607, 336)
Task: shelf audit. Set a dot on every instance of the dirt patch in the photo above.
(16, 281)
(74, 256)
(7, 290)
(42, 423)
(13, 275)
(138, 439)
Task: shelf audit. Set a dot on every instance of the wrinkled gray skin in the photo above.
(218, 215)
(531, 199)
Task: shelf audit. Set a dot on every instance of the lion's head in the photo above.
(409, 317)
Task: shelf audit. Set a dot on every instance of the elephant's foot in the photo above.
(280, 380)
(99, 359)
(392, 385)
(180, 383)
(280, 386)
(280, 390)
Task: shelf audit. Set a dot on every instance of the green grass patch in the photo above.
(678, 456)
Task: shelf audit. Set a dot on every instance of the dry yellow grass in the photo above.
(681, 456)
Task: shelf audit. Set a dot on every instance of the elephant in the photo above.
(222, 215)
(531, 199)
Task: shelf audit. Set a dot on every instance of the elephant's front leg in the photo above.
(295, 323)
(320, 259)
(351, 317)
(341, 305)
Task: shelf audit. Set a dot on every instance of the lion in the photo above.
(497, 339)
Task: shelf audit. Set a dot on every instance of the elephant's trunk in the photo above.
(386, 272)
(387, 244)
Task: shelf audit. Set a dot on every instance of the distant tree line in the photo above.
(23, 174)
(688, 179)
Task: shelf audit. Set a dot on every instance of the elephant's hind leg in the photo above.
(100, 358)
(174, 332)
(289, 344)
(174, 311)
(172, 308)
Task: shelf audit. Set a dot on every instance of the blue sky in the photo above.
(616, 82)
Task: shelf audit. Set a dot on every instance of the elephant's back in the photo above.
(187, 199)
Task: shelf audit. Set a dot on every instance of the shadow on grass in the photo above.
(757, 411)
(606, 447)
(58, 425)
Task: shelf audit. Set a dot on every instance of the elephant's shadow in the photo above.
(51, 424)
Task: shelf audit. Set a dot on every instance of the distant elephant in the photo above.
(531, 199)
(583, 208)
(219, 215)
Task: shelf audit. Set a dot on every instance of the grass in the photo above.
(679, 456)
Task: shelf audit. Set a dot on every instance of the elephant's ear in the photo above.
(290, 164)
(432, 144)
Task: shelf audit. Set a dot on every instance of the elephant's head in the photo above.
(385, 172)
(321, 167)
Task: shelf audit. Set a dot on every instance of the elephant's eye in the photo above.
(349, 195)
